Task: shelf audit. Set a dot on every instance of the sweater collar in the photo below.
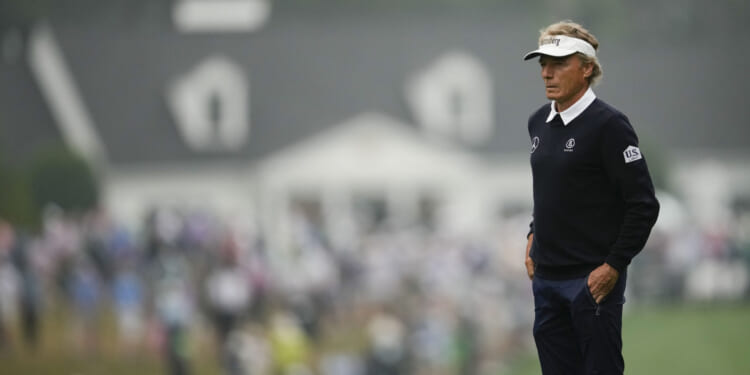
(575, 110)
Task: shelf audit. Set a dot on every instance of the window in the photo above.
(210, 106)
(453, 98)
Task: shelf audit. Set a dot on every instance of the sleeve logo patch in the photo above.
(632, 154)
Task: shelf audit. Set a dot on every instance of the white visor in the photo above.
(561, 45)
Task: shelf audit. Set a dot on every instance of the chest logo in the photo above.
(534, 144)
(569, 145)
(632, 154)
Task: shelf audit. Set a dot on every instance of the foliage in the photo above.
(61, 177)
(15, 201)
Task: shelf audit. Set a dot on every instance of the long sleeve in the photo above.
(625, 165)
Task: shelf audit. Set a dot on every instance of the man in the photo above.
(594, 207)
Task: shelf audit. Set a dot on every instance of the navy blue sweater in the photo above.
(594, 200)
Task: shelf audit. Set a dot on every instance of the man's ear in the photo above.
(588, 70)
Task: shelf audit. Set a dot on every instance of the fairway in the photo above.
(58, 354)
(680, 340)
(676, 339)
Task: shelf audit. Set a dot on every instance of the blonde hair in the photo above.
(574, 30)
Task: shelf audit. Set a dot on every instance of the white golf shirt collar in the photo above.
(574, 110)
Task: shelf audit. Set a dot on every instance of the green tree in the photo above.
(61, 177)
(15, 201)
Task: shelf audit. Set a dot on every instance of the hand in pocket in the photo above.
(601, 281)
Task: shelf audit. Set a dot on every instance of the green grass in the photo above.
(59, 354)
(679, 340)
(683, 340)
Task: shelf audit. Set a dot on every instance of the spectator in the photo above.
(229, 296)
(128, 296)
(9, 283)
(175, 307)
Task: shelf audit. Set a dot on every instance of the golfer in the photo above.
(594, 207)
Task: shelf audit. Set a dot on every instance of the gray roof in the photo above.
(25, 122)
(314, 67)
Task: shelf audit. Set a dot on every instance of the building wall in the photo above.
(222, 190)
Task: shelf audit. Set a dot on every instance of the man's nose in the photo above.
(546, 72)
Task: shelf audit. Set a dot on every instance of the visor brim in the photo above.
(554, 52)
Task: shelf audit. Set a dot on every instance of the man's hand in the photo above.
(529, 261)
(601, 281)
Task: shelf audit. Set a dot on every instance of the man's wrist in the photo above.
(612, 269)
(618, 263)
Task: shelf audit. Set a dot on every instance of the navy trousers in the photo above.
(574, 335)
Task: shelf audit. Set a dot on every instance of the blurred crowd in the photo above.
(399, 301)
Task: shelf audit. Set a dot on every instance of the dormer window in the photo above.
(210, 106)
(452, 98)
